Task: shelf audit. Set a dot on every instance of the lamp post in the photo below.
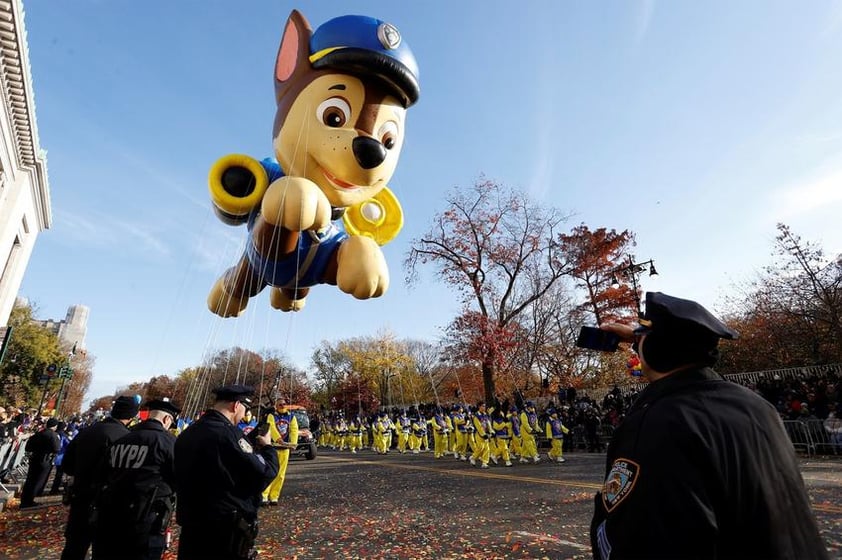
(632, 270)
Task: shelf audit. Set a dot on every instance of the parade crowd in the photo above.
(504, 433)
(124, 473)
(586, 423)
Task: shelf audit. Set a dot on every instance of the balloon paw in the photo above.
(362, 270)
(279, 300)
(223, 304)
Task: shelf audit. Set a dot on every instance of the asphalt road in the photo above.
(414, 506)
(368, 506)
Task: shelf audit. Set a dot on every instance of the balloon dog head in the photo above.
(342, 94)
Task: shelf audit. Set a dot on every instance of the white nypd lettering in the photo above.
(125, 456)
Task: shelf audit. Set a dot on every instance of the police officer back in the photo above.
(137, 501)
(42, 447)
(84, 461)
(700, 467)
(219, 478)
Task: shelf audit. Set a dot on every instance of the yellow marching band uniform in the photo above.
(474, 434)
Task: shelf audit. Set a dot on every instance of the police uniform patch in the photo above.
(245, 446)
(619, 482)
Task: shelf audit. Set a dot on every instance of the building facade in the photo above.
(24, 186)
(72, 331)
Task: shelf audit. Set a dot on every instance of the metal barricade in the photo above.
(6, 454)
(811, 437)
(799, 436)
(578, 442)
(606, 432)
(821, 439)
(18, 465)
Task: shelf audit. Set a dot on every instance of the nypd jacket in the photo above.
(702, 468)
(143, 461)
(218, 473)
(86, 455)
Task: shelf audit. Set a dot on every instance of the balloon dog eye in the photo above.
(388, 134)
(334, 112)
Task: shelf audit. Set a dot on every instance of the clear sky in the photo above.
(698, 125)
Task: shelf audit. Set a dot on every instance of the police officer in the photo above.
(41, 447)
(219, 477)
(84, 460)
(700, 467)
(135, 506)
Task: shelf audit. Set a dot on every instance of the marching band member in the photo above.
(555, 432)
(529, 430)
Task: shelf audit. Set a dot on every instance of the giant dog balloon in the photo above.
(342, 93)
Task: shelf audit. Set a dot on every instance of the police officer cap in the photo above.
(165, 405)
(674, 314)
(231, 393)
(125, 407)
(368, 46)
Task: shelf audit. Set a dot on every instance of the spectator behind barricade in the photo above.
(6, 428)
(64, 439)
(833, 427)
(807, 414)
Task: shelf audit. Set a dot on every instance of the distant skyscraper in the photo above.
(73, 329)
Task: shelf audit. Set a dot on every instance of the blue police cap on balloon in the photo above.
(368, 46)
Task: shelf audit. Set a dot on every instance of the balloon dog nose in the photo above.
(369, 152)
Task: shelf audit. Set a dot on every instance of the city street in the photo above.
(369, 506)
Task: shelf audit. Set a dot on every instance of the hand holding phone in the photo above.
(594, 338)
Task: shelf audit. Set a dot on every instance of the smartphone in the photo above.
(594, 338)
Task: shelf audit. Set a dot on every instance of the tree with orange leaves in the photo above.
(595, 256)
(500, 251)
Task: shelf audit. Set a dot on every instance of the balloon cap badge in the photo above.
(388, 35)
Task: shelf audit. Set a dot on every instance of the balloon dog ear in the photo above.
(294, 52)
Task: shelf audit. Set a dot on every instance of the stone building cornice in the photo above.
(18, 97)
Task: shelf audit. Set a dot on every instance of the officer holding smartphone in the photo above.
(219, 478)
(700, 467)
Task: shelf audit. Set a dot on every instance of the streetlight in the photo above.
(631, 271)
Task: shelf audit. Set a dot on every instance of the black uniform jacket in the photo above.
(218, 472)
(702, 468)
(86, 455)
(141, 461)
(43, 445)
